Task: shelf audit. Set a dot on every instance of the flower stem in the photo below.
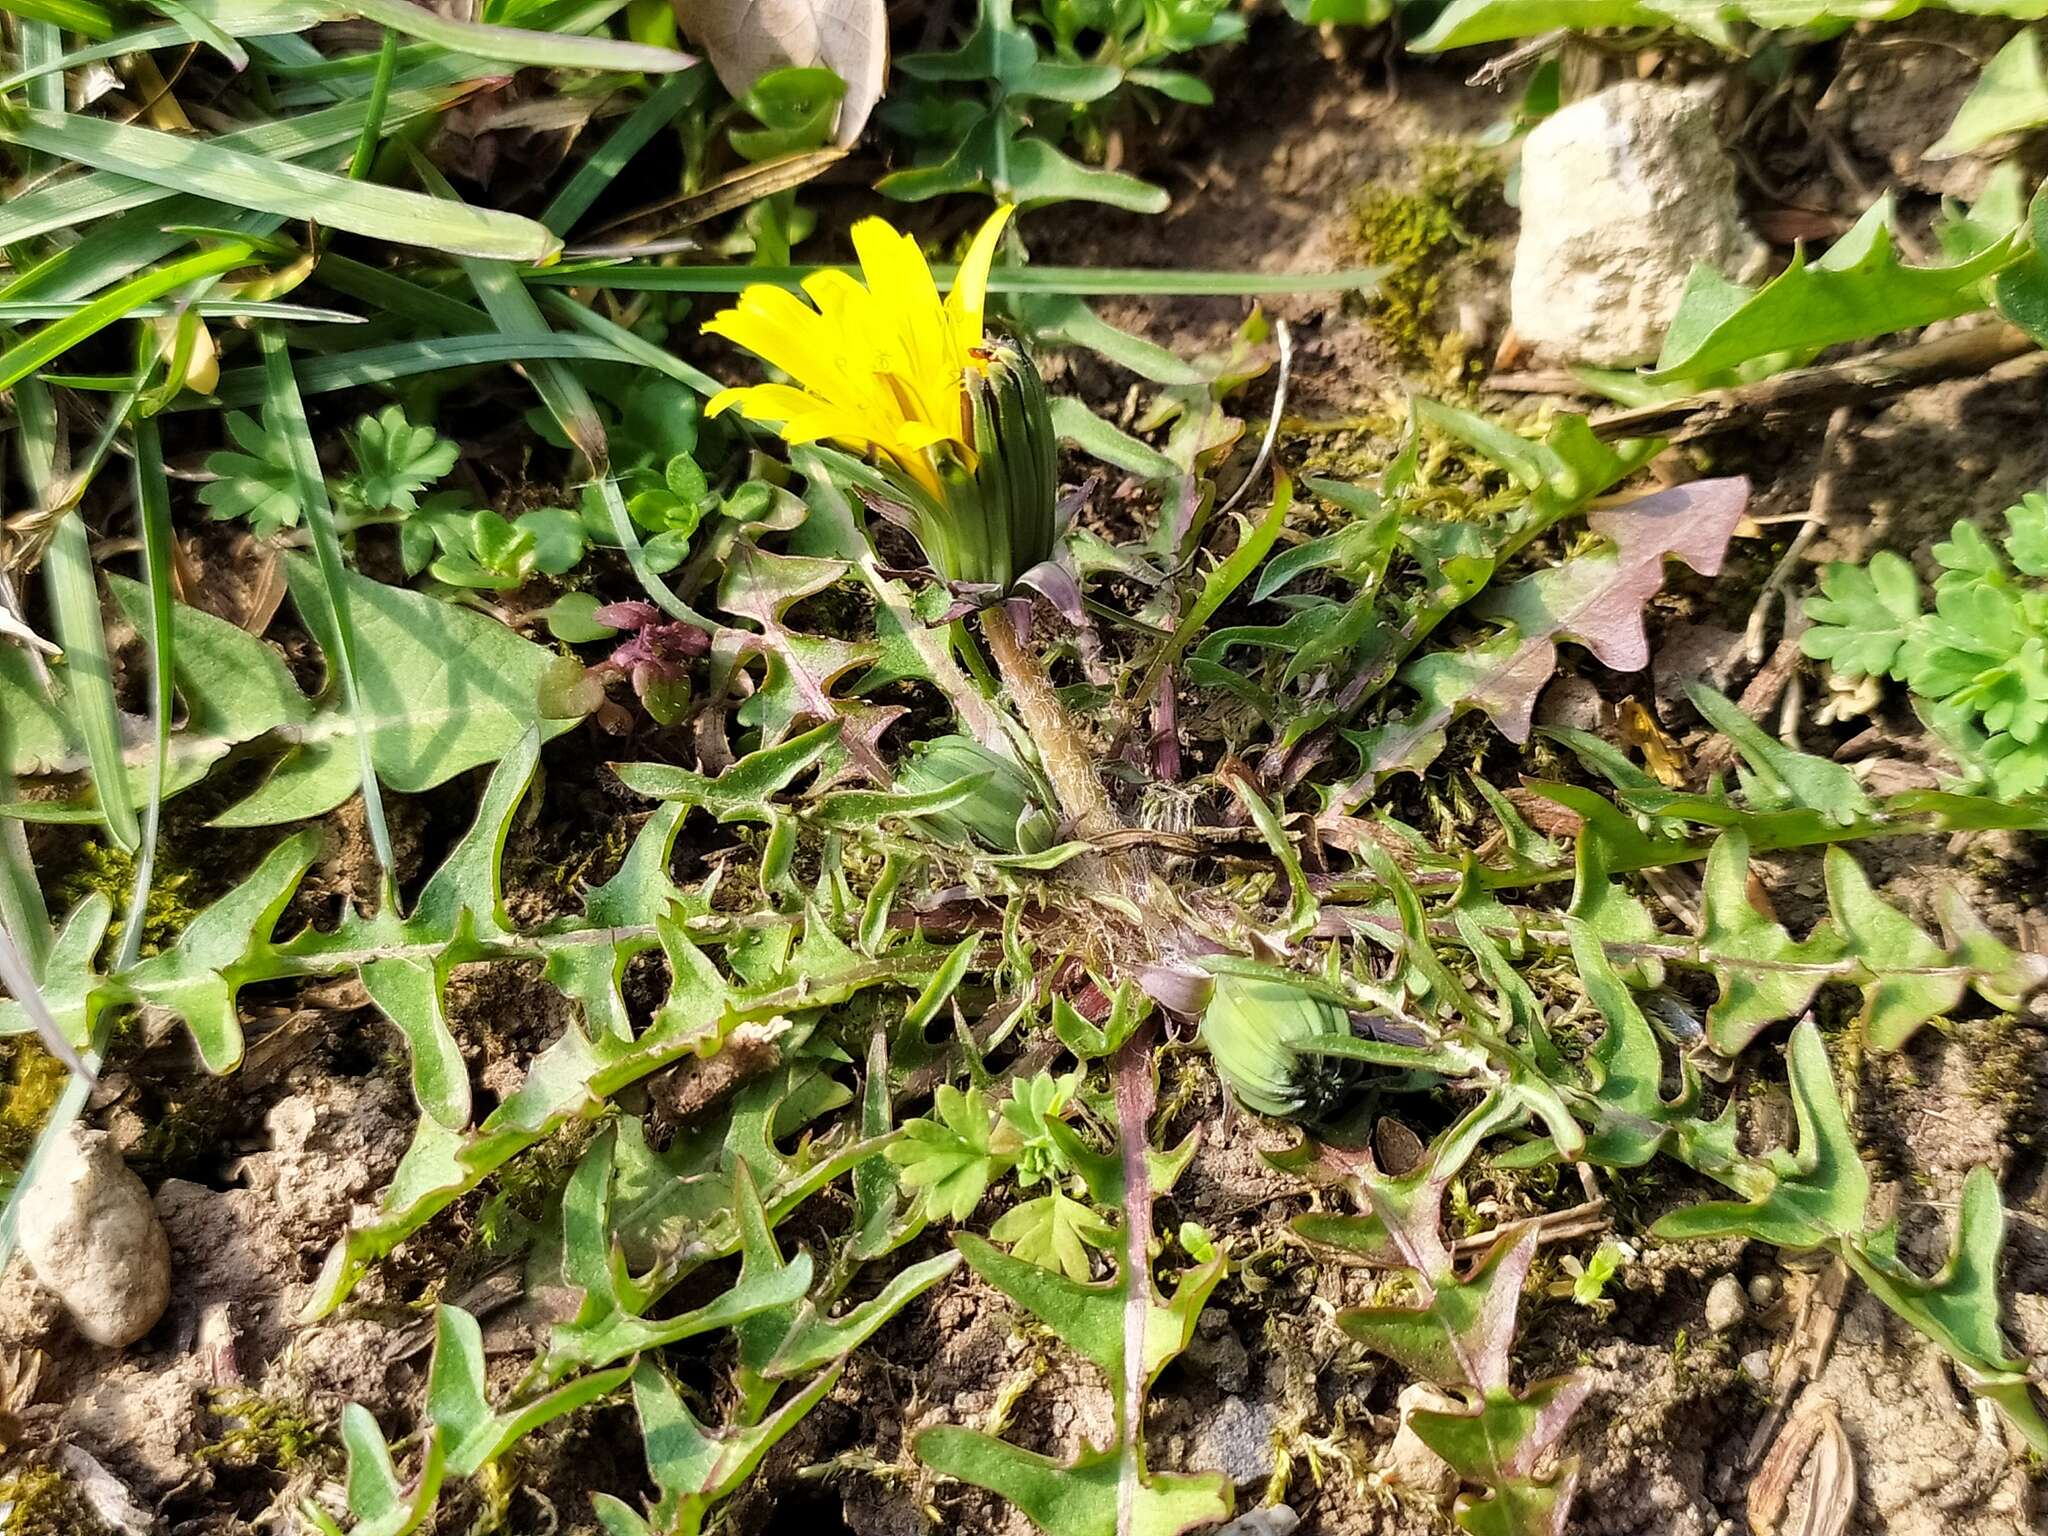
(1064, 752)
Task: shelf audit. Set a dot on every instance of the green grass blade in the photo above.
(41, 44)
(85, 16)
(12, 313)
(284, 407)
(672, 96)
(53, 340)
(140, 41)
(202, 30)
(120, 247)
(386, 293)
(1079, 281)
(403, 359)
(637, 348)
(88, 674)
(519, 318)
(153, 516)
(81, 199)
(128, 42)
(20, 981)
(517, 45)
(380, 98)
(22, 911)
(295, 191)
(75, 606)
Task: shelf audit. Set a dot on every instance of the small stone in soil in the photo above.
(1273, 1520)
(1756, 1365)
(1622, 194)
(1238, 1442)
(91, 1235)
(1727, 1306)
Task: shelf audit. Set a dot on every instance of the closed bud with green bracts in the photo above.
(1254, 1028)
(997, 519)
(1007, 810)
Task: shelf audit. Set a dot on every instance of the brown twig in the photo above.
(1788, 396)
(1805, 1352)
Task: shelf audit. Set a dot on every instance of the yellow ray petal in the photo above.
(899, 279)
(967, 303)
(780, 327)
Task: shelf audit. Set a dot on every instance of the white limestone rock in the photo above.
(91, 1235)
(1622, 193)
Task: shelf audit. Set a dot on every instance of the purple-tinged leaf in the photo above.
(1596, 601)
(802, 669)
(1054, 581)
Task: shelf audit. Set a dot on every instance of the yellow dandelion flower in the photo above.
(879, 368)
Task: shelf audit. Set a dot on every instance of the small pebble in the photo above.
(1237, 1440)
(1727, 1306)
(91, 1235)
(1756, 1365)
(1273, 1520)
(1763, 1291)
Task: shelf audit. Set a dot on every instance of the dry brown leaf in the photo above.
(1831, 1499)
(1661, 755)
(722, 196)
(746, 39)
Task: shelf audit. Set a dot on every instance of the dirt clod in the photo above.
(1409, 1463)
(91, 1236)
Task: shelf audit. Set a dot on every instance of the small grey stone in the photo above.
(1217, 1349)
(1237, 1440)
(1622, 194)
(1727, 1306)
(91, 1235)
(1756, 1365)
(1763, 1291)
(1273, 1520)
(107, 1495)
(1408, 1462)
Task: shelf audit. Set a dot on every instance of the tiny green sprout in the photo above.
(395, 461)
(949, 1158)
(1586, 1281)
(1035, 1101)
